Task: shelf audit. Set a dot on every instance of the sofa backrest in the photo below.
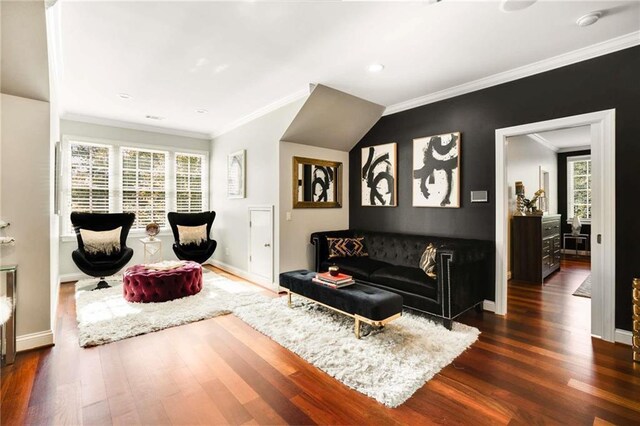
(399, 249)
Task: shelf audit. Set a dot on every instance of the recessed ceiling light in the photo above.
(515, 5)
(154, 117)
(202, 111)
(375, 67)
(124, 96)
(588, 19)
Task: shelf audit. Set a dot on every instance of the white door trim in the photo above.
(603, 255)
(261, 280)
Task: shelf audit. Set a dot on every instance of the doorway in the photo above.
(261, 244)
(602, 129)
(549, 242)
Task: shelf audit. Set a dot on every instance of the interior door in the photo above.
(261, 242)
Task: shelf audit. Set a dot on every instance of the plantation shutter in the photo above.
(189, 183)
(144, 186)
(89, 178)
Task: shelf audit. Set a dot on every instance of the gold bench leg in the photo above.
(289, 298)
(357, 328)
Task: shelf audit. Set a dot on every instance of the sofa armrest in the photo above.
(464, 271)
(319, 240)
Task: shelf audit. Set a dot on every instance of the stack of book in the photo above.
(333, 281)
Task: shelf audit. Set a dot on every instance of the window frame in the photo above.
(115, 176)
(570, 189)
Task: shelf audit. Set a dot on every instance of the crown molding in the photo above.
(575, 56)
(542, 141)
(133, 126)
(262, 111)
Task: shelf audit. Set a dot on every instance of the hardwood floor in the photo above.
(538, 365)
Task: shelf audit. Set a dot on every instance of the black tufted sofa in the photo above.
(463, 269)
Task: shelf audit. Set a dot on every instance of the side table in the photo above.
(152, 250)
(584, 238)
(8, 325)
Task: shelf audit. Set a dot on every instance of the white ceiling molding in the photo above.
(263, 111)
(542, 141)
(579, 55)
(133, 126)
(574, 148)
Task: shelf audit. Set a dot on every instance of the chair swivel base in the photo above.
(102, 284)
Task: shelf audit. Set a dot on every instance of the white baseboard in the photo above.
(34, 340)
(244, 274)
(623, 336)
(489, 305)
(74, 276)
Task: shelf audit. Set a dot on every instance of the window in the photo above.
(110, 177)
(89, 178)
(579, 187)
(189, 194)
(144, 189)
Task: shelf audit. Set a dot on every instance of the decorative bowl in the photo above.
(152, 230)
(334, 270)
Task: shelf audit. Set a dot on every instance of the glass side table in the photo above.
(152, 250)
(8, 314)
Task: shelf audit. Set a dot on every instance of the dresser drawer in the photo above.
(550, 228)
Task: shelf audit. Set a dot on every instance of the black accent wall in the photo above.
(562, 198)
(606, 82)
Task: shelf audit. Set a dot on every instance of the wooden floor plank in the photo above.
(538, 365)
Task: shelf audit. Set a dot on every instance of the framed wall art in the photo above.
(436, 171)
(379, 175)
(236, 174)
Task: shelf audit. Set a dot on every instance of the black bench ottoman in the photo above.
(361, 302)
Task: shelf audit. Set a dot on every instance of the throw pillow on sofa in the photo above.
(428, 261)
(347, 247)
(101, 242)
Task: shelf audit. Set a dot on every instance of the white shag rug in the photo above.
(388, 365)
(104, 316)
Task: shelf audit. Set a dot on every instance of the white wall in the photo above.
(295, 250)
(68, 269)
(25, 203)
(524, 158)
(260, 138)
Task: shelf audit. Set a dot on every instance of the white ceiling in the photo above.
(236, 59)
(571, 137)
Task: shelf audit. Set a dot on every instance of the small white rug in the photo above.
(388, 365)
(104, 316)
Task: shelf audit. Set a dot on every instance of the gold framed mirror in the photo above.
(316, 183)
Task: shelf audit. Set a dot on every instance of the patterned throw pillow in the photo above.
(192, 234)
(346, 247)
(428, 261)
(101, 242)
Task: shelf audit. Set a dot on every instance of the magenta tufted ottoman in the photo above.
(147, 285)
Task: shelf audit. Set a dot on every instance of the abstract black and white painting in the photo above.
(436, 171)
(316, 183)
(378, 173)
(236, 174)
(322, 184)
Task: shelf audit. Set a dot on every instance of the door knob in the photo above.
(267, 245)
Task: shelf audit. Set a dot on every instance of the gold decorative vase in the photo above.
(636, 319)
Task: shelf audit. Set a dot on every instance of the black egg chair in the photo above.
(195, 252)
(102, 265)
